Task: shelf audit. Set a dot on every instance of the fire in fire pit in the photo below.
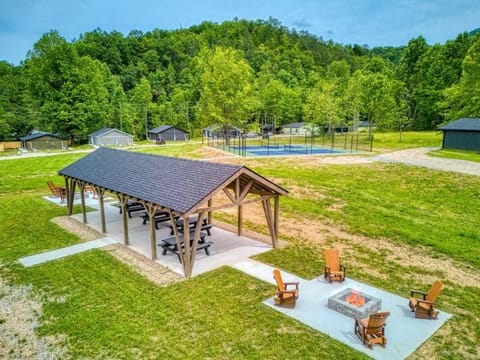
(355, 299)
(353, 303)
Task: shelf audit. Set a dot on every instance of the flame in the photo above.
(355, 299)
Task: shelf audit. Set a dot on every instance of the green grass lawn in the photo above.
(457, 154)
(408, 139)
(107, 310)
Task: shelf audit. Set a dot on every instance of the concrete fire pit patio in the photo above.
(404, 332)
(339, 302)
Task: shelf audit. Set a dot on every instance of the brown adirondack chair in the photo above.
(285, 297)
(57, 191)
(424, 307)
(333, 269)
(371, 330)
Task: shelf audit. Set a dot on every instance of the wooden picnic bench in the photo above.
(131, 206)
(160, 216)
(170, 245)
(193, 223)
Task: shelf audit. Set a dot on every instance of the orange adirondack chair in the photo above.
(425, 307)
(57, 191)
(284, 296)
(333, 269)
(371, 330)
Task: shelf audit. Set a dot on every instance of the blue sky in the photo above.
(370, 22)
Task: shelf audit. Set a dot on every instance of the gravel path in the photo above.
(419, 157)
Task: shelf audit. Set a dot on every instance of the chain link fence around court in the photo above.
(275, 145)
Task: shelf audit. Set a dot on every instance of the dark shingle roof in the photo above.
(104, 131)
(178, 184)
(472, 124)
(38, 135)
(163, 128)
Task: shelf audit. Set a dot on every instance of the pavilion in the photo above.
(181, 187)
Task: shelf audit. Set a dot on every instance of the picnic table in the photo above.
(160, 216)
(192, 224)
(131, 206)
(170, 244)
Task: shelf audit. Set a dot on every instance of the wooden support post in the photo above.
(67, 192)
(81, 186)
(70, 196)
(268, 216)
(276, 218)
(210, 212)
(187, 265)
(177, 239)
(239, 220)
(196, 238)
(100, 192)
(123, 205)
(153, 233)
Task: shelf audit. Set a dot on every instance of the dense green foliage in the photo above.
(236, 73)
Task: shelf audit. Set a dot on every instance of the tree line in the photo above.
(237, 73)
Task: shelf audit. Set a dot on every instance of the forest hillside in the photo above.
(237, 73)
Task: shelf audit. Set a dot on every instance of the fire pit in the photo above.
(353, 303)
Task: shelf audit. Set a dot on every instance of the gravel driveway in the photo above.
(419, 157)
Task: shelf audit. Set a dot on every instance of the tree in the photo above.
(408, 73)
(141, 98)
(463, 99)
(71, 90)
(374, 95)
(323, 107)
(227, 95)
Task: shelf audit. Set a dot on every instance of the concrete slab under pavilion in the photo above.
(227, 247)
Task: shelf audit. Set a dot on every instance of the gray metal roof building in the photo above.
(462, 134)
(168, 133)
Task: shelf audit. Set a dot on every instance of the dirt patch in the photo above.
(85, 232)
(20, 312)
(152, 270)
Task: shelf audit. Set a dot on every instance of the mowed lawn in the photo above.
(107, 310)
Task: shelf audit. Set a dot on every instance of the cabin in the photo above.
(462, 134)
(296, 128)
(42, 141)
(167, 133)
(217, 131)
(110, 137)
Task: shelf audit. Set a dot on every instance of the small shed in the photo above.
(42, 141)
(296, 128)
(110, 137)
(167, 133)
(462, 134)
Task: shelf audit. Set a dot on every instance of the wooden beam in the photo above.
(225, 206)
(237, 189)
(153, 235)
(196, 237)
(100, 193)
(177, 240)
(70, 196)
(239, 220)
(268, 216)
(186, 246)
(276, 219)
(81, 186)
(67, 192)
(123, 205)
(210, 213)
(245, 191)
(230, 196)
